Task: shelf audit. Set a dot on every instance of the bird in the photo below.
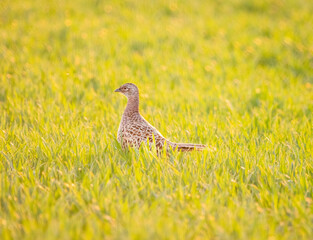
(134, 130)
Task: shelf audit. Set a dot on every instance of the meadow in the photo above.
(236, 75)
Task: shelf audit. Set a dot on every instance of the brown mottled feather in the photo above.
(135, 130)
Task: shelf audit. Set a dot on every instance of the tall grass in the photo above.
(236, 75)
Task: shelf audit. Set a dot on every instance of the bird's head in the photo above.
(128, 89)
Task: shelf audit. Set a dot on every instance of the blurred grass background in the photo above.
(235, 74)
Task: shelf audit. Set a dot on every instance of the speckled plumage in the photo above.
(135, 130)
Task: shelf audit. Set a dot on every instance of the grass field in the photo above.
(236, 75)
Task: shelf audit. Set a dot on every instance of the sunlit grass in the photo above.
(236, 75)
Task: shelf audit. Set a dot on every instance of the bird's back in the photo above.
(135, 130)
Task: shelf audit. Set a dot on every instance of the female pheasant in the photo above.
(134, 129)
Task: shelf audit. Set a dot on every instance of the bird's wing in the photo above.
(141, 131)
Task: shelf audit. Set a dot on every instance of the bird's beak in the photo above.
(117, 90)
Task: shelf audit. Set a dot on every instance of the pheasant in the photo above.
(135, 130)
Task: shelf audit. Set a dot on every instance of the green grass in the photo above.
(236, 75)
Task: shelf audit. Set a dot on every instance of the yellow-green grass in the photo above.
(236, 75)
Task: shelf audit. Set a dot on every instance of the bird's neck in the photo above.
(132, 106)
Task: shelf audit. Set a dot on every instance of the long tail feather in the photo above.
(187, 147)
